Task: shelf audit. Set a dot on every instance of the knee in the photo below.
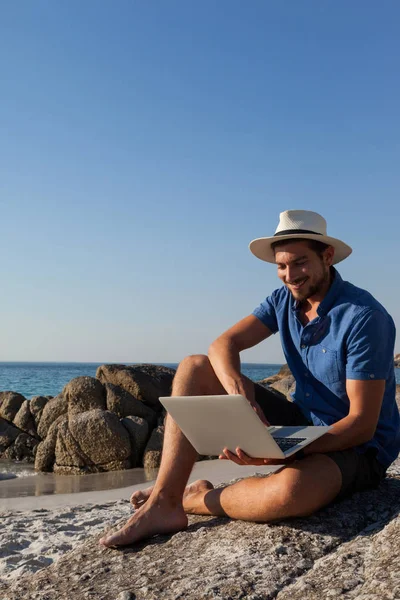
(195, 362)
(287, 492)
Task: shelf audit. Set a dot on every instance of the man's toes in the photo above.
(119, 538)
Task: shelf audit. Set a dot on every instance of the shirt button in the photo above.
(303, 346)
(307, 395)
(323, 350)
(306, 374)
(372, 376)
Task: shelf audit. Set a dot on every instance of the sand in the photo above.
(37, 530)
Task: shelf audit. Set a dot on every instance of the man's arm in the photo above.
(360, 424)
(224, 354)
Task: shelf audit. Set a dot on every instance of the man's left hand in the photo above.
(241, 458)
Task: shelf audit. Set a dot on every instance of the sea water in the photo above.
(48, 379)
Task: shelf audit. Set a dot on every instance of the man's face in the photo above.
(303, 271)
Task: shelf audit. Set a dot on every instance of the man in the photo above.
(339, 344)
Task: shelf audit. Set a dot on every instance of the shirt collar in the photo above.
(330, 297)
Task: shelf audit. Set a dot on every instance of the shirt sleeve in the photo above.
(267, 314)
(370, 346)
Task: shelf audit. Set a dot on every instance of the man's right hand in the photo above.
(246, 389)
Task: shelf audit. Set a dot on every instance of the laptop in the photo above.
(212, 423)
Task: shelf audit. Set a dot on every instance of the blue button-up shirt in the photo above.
(351, 338)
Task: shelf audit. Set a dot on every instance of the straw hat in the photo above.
(303, 224)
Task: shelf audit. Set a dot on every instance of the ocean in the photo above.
(48, 379)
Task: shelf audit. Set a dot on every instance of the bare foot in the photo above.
(150, 520)
(139, 498)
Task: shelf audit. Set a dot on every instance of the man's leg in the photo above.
(299, 489)
(163, 511)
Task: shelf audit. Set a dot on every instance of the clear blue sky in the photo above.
(144, 144)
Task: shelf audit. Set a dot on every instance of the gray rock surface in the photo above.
(92, 441)
(10, 403)
(123, 404)
(152, 453)
(23, 448)
(25, 421)
(36, 406)
(83, 394)
(349, 549)
(54, 408)
(138, 430)
(397, 360)
(283, 382)
(145, 382)
(46, 450)
(8, 434)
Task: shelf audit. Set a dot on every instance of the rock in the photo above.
(397, 360)
(145, 382)
(398, 395)
(348, 549)
(138, 430)
(23, 448)
(92, 441)
(283, 382)
(10, 403)
(46, 450)
(152, 453)
(84, 393)
(116, 465)
(36, 406)
(25, 421)
(8, 434)
(123, 404)
(53, 409)
(68, 452)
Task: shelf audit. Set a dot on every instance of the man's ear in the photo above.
(328, 255)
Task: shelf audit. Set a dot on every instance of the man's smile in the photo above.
(298, 284)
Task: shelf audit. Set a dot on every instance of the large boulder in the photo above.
(36, 406)
(10, 403)
(153, 450)
(84, 393)
(46, 450)
(123, 404)
(8, 434)
(145, 382)
(346, 550)
(54, 408)
(92, 441)
(25, 421)
(138, 430)
(23, 448)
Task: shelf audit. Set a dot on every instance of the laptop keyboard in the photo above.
(287, 443)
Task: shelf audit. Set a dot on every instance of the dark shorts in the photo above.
(359, 471)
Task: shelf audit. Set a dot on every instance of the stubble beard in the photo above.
(313, 290)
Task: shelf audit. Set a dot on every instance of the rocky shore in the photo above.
(111, 422)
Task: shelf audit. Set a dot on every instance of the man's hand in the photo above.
(241, 458)
(246, 389)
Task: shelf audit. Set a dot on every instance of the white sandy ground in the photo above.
(36, 530)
